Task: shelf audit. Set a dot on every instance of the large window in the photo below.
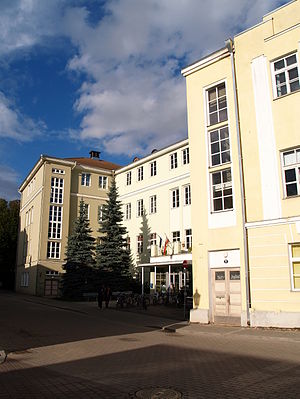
(57, 187)
(187, 194)
(295, 266)
(188, 238)
(140, 208)
(153, 204)
(217, 104)
(53, 250)
(153, 168)
(55, 222)
(140, 173)
(219, 146)
(103, 182)
(128, 211)
(128, 178)
(173, 160)
(186, 156)
(175, 198)
(291, 172)
(86, 179)
(221, 190)
(285, 75)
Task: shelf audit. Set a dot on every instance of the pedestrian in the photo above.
(100, 296)
(107, 296)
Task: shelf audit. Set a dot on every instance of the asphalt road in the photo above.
(63, 350)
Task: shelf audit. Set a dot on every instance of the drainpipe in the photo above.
(229, 45)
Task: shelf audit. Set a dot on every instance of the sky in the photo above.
(77, 75)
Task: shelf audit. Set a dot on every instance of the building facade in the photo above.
(156, 196)
(245, 175)
(50, 197)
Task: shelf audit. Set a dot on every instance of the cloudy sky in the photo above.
(78, 75)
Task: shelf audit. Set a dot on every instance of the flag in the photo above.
(166, 244)
(160, 241)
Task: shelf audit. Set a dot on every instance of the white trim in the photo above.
(281, 32)
(88, 196)
(154, 186)
(204, 62)
(93, 169)
(272, 222)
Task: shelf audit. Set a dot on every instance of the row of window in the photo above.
(86, 180)
(175, 202)
(153, 166)
(155, 239)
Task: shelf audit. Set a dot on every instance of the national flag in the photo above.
(166, 244)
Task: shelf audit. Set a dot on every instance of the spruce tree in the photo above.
(78, 277)
(113, 258)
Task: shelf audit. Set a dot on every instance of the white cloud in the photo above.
(15, 125)
(8, 183)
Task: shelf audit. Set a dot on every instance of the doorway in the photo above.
(226, 295)
(51, 287)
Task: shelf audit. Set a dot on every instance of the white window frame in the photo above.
(24, 279)
(176, 236)
(153, 238)
(103, 182)
(153, 168)
(59, 171)
(186, 156)
(140, 208)
(285, 70)
(128, 211)
(175, 198)
(53, 250)
(292, 261)
(140, 244)
(87, 207)
(140, 173)
(218, 109)
(223, 186)
(173, 160)
(219, 142)
(128, 178)
(188, 238)
(187, 194)
(292, 166)
(153, 204)
(57, 190)
(55, 222)
(86, 179)
(100, 213)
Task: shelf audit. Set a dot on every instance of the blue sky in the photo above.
(78, 75)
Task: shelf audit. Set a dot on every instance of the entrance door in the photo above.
(226, 293)
(51, 287)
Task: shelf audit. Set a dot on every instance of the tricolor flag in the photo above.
(166, 244)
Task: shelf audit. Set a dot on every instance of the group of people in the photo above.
(104, 294)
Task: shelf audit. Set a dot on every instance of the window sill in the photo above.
(219, 167)
(217, 125)
(222, 211)
(291, 196)
(286, 95)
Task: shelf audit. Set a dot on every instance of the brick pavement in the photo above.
(199, 361)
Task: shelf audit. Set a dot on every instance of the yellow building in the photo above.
(245, 175)
(50, 197)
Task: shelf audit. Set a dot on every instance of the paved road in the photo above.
(62, 350)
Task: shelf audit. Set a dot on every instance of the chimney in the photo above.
(94, 154)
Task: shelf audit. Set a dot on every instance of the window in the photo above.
(295, 266)
(87, 210)
(57, 186)
(188, 238)
(152, 239)
(24, 279)
(140, 208)
(285, 75)
(291, 172)
(128, 211)
(175, 198)
(221, 190)
(217, 104)
(53, 250)
(103, 182)
(59, 171)
(100, 213)
(128, 243)
(140, 245)
(219, 146)
(186, 156)
(140, 173)
(187, 195)
(86, 179)
(173, 160)
(153, 204)
(128, 179)
(176, 236)
(153, 168)
(55, 222)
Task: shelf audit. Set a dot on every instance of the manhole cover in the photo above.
(158, 393)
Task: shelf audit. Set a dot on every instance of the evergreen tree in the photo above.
(113, 258)
(79, 276)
